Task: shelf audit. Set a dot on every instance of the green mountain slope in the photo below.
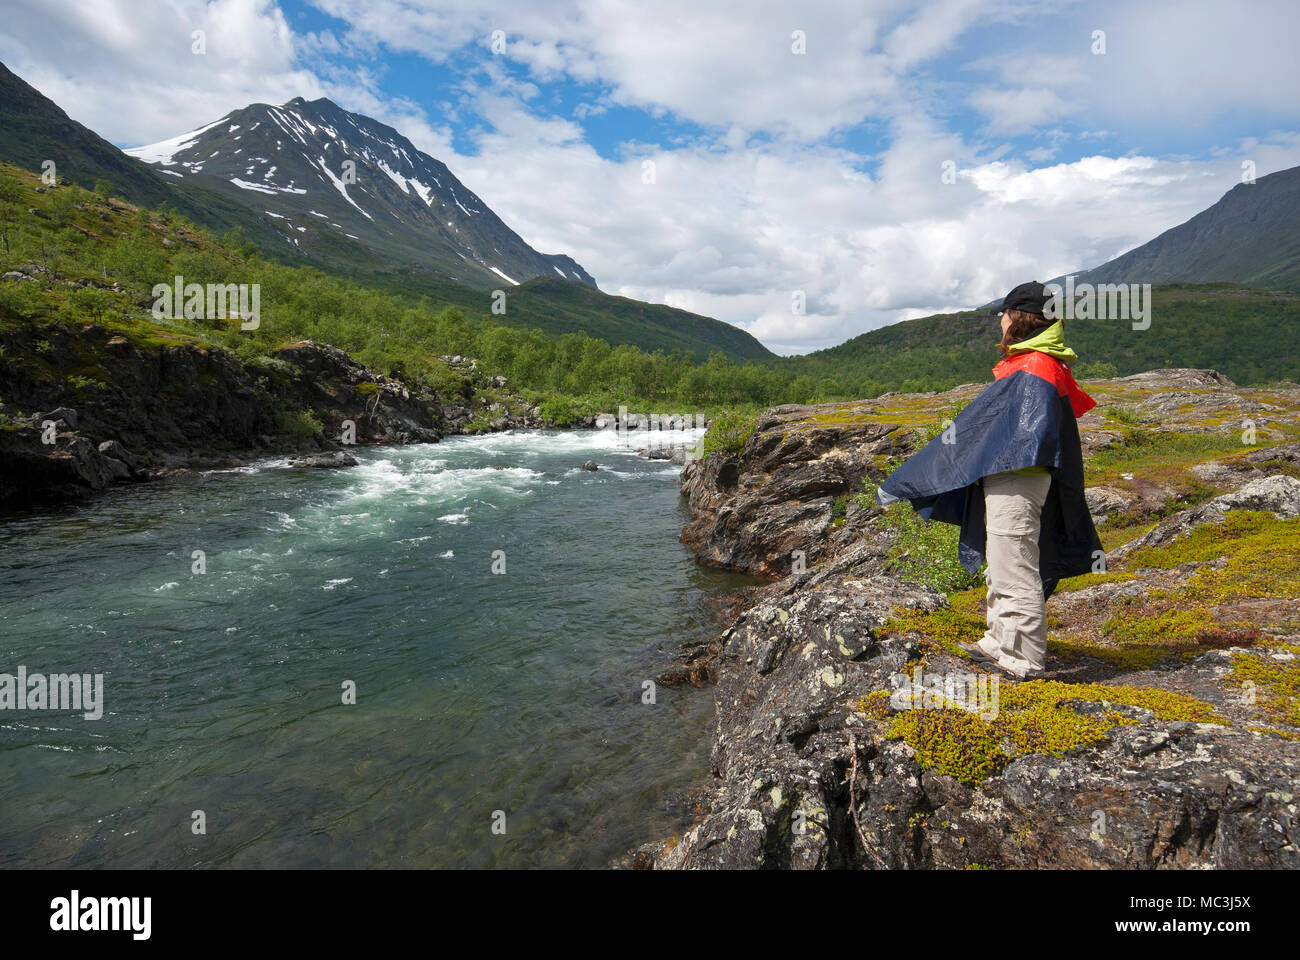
(558, 306)
(1248, 334)
(1251, 236)
(33, 129)
(72, 260)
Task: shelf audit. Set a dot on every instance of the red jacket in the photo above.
(1050, 369)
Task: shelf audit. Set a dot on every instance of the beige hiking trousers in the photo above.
(1017, 616)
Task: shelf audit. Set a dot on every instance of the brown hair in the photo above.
(1023, 325)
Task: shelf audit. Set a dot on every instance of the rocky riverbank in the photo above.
(88, 407)
(1167, 733)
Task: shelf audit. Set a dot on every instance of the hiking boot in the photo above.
(976, 653)
(1002, 670)
(1010, 674)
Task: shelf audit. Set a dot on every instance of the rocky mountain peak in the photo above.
(326, 175)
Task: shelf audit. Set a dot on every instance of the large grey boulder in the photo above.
(1278, 494)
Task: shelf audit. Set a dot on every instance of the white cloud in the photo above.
(764, 203)
(733, 234)
(1020, 110)
(126, 69)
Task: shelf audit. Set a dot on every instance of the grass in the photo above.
(729, 432)
(300, 425)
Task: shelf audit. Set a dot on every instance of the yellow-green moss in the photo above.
(1247, 556)
(1210, 540)
(1068, 584)
(969, 602)
(1033, 717)
(944, 627)
(1278, 681)
(1176, 629)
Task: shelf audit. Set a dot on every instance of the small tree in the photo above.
(10, 194)
(104, 188)
(93, 303)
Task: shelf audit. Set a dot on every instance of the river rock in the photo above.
(324, 461)
(113, 449)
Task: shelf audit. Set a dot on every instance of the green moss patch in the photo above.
(1033, 718)
(943, 628)
(1248, 556)
(1279, 684)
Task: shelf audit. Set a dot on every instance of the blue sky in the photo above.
(610, 129)
(775, 173)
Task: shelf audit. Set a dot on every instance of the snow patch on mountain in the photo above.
(264, 188)
(306, 141)
(164, 150)
(341, 187)
(394, 176)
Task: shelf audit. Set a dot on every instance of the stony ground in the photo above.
(1166, 734)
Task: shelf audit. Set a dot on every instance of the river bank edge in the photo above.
(1139, 754)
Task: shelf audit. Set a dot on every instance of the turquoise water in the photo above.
(476, 692)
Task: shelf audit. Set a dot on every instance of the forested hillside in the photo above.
(1248, 334)
(73, 257)
(409, 254)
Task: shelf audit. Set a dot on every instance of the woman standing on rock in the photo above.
(1009, 472)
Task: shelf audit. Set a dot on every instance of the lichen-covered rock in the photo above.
(769, 508)
(809, 779)
(1278, 494)
(1103, 501)
(792, 671)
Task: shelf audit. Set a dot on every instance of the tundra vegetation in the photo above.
(1231, 586)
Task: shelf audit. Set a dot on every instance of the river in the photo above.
(498, 718)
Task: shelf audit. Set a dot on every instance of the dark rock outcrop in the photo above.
(153, 407)
(756, 510)
(808, 780)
